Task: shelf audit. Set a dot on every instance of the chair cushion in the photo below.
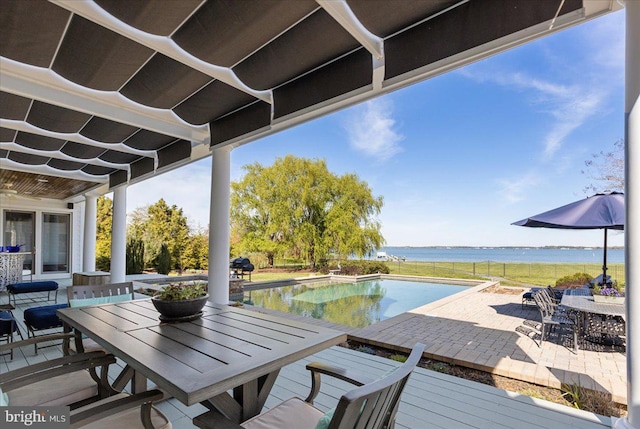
(8, 323)
(58, 391)
(324, 421)
(99, 300)
(293, 413)
(42, 286)
(43, 317)
(88, 345)
(129, 419)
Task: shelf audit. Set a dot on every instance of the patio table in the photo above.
(581, 301)
(200, 361)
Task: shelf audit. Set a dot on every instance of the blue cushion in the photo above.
(7, 321)
(99, 300)
(43, 317)
(324, 421)
(4, 399)
(42, 286)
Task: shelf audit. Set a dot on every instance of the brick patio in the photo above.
(478, 330)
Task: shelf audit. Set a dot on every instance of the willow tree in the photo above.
(297, 207)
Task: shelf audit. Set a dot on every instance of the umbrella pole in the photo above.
(604, 263)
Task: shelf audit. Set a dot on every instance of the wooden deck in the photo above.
(430, 399)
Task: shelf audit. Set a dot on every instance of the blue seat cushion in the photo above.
(43, 317)
(27, 287)
(8, 323)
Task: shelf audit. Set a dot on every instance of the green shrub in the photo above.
(366, 349)
(163, 262)
(398, 358)
(103, 263)
(356, 268)
(135, 256)
(573, 281)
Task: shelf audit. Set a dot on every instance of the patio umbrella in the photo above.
(599, 211)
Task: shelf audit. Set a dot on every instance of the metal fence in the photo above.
(534, 273)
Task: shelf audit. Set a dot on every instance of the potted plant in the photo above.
(179, 301)
(608, 294)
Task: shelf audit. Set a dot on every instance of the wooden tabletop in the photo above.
(197, 360)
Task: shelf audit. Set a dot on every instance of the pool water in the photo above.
(353, 304)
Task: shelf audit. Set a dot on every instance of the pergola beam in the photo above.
(49, 87)
(56, 154)
(74, 137)
(50, 171)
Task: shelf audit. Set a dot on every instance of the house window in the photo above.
(56, 240)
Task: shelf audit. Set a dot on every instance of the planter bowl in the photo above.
(609, 299)
(178, 309)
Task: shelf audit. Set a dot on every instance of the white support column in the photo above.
(119, 235)
(89, 241)
(632, 205)
(219, 225)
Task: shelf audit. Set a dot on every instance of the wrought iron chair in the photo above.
(551, 317)
(372, 405)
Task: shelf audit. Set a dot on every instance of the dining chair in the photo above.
(551, 317)
(371, 405)
(85, 295)
(46, 384)
(8, 328)
(71, 381)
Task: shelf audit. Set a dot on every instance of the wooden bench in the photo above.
(48, 286)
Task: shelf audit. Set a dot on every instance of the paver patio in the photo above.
(478, 330)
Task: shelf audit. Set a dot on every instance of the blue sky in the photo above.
(459, 157)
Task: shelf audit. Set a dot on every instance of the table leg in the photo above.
(138, 383)
(247, 401)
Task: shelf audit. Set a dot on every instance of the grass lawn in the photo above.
(510, 273)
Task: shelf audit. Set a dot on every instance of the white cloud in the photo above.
(372, 130)
(514, 190)
(569, 105)
(580, 86)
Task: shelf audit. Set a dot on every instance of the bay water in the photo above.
(506, 254)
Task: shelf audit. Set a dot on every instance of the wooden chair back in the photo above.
(374, 405)
(100, 291)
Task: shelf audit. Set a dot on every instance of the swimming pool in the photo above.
(353, 304)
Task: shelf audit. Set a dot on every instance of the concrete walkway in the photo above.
(478, 330)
